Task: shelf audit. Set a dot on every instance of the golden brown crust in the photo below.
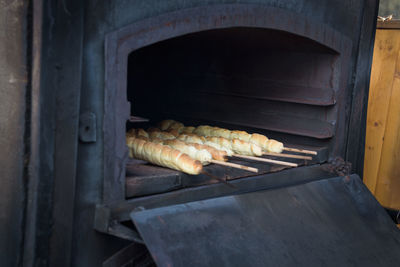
(188, 129)
(208, 131)
(174, 132)
(191, 138)
(189, 165)
(141, 132)
(215, 153)
(143, 138)
(226, 143)
(274, 146)
(201, 155)
(260, 140)
(220, 132)
(176, 126)
(192, 135)
(241, 135)
(161, 135)
(246, 148)
(203, 130)
(156, 140)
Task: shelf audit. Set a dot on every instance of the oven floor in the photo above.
(143, 178)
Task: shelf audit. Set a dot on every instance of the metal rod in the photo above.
(137, 119)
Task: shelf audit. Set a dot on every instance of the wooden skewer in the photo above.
(234, 165)
(304, 151)
(267, 160)
(287, 155)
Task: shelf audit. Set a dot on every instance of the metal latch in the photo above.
(87, 127)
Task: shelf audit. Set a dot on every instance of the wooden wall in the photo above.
(382, 147)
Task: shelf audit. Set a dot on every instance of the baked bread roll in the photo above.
(138, 133)
(258, 139)
(155, 140)
(192, 138)
(237, 146)
(274, 146)
(163, 155)
(174, 132)
(203, 130)
(226, 143)
(201, 155)
(215, 153)
(165, 124)
(176, 126)
(218, 146)
(220, 132)
(161, 135)
(246, 148)
(188, 129)
(229, 146)
(141, 132)
(241, 135)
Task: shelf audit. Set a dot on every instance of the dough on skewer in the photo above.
(201, 155)
(163, 155)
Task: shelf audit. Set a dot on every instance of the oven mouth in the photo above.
(283, 77)
(258, 80)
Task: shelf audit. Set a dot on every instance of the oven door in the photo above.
(330, 222)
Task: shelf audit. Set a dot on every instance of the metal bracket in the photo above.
(105, 224)
(87, 127)
(119, 230)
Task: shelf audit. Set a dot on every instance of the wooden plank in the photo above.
(384, 61)
(389, 24)
(388, 182)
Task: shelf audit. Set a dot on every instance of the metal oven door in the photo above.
(329, 222)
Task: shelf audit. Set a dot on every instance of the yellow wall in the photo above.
(382, 148)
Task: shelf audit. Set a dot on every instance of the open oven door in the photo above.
(330, 222)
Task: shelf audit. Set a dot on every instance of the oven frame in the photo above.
(119, 44)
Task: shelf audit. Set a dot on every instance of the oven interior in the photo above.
(259, 80)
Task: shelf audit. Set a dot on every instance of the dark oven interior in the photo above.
(258, 80)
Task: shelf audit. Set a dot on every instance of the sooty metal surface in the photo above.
(331, 222)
